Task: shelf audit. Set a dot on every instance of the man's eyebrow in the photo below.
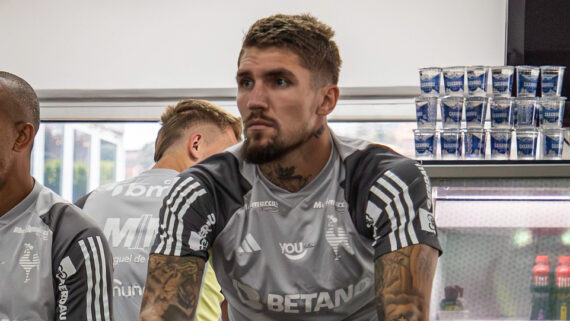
(241, 74)
(281, 72)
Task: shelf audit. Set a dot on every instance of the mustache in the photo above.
(260, 116)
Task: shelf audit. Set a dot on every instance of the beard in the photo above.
(275, 149)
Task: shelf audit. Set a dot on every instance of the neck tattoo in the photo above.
(285, 177)
(319, 131)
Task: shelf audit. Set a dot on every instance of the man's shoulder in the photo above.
(61, 216)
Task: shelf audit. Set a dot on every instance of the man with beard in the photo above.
(301, 224)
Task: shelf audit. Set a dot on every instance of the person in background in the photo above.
(301, 224)
(128, 210)
(55, 262)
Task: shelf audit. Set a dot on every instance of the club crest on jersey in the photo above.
(29, 260)
(337, 237)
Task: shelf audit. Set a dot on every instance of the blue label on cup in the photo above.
(451, 144)
(424, 145)
(528, 84)
(502, 84)
(430, 85)
(526, 146)
(550, 84)
(454, 84)
(500, 115)
(553, 145)
(426, 113)
(500, 144)
(451, 113)
(474, 144)
(476, 82)
(474, 113)
(550, 115)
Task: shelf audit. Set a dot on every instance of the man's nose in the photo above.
(258, 98)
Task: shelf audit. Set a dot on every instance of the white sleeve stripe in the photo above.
(399, 208)
(174, 220)
(252, 243)
(96, 302)
(393, 224)
(409, 204)
(374, 211)
(180, 219)
(380, 195)
(173, 193)
(87, 257)
(107, 314)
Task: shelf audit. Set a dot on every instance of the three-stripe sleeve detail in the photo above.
(97, 300)
(179, 201)
(393, 199)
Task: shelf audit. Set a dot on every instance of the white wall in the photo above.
(126, 44)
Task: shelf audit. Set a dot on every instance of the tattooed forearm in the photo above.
(403, 283)
(172, 288)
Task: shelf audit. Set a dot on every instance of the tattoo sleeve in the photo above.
(172, 288)
(403, 283)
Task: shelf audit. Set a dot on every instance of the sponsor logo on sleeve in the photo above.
(65, 270)
(198, 241)
(427, 221)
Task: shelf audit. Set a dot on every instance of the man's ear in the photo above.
(194, 146)
(330, 98)
(25, 137)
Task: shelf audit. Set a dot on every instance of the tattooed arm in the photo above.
(403, 283)
(172, 288)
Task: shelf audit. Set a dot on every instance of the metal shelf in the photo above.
(497, 169)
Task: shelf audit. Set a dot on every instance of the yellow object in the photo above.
(210, 297)
(563, 312)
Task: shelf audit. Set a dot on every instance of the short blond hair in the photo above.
(187, 113)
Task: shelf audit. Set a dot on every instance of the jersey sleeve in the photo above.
(187, 219)
(82, 266)
(399, 208)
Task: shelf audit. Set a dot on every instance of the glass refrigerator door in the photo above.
(492, 231)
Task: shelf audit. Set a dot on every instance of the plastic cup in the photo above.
(527, 80)
(450, 143)
(500, 143)
(429, 81)
(426, 111)
(454, 80)
(474, 143)
(451, 111)
(477, 80)
(551, 111)
(425, 143)
(502, 80)
(501, 112)
(552, 143)
(475, 111)
(551, 80)
(525, 112)
(526, 143)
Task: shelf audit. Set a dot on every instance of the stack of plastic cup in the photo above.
(551, 112)
(425, 136)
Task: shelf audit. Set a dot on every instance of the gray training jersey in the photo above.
(55, 263)
(128, 213)
(307, 255)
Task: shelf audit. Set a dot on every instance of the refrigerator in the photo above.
(494, 219)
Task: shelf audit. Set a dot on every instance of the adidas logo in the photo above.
(248, 245)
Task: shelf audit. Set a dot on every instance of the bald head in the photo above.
(22, 104)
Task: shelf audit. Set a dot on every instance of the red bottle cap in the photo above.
(564, 260)
(542, 259)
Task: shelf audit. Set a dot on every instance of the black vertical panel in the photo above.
(538, 33)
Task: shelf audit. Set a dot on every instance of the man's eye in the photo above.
(280, 82)
(246, 83)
